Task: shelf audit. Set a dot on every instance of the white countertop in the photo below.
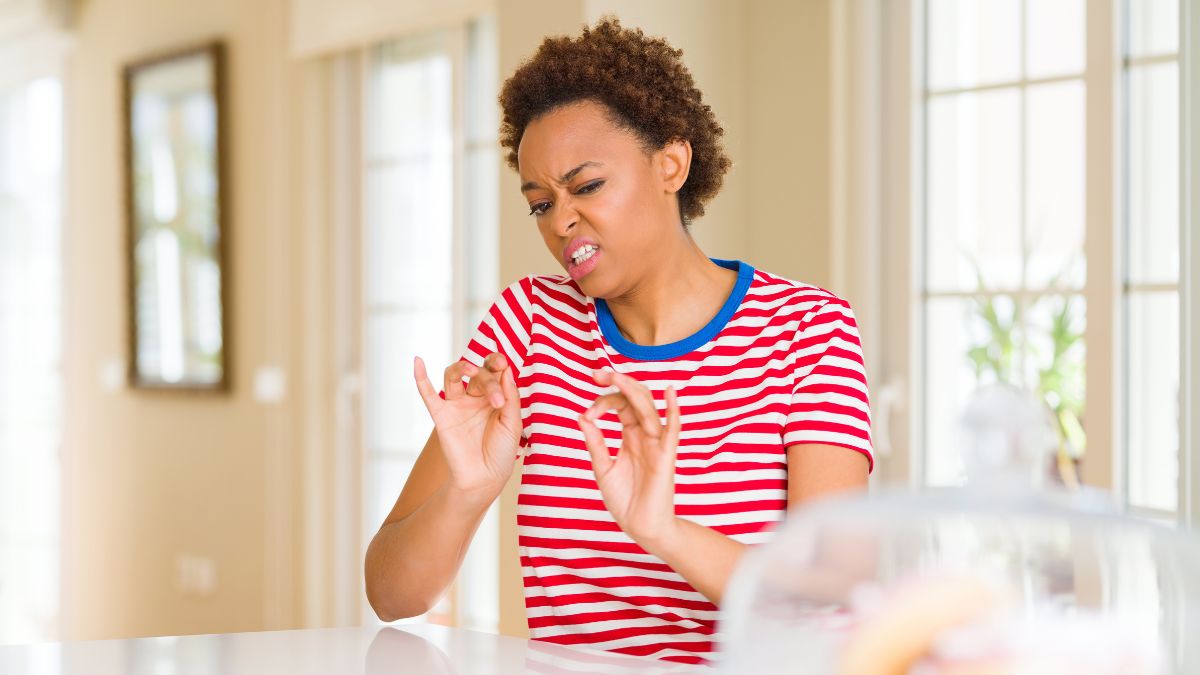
(408, 648)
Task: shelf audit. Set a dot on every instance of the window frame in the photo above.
(900, 302)
(468, 602)
(1189, 44)
(42, 54)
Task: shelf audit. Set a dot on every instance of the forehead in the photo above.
(561, 139)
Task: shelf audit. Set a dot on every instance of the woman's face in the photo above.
(589, 182)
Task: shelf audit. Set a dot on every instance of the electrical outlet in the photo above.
(196, 575)
(111, 374)
(270, 384)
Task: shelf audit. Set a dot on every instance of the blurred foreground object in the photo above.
(998, 576)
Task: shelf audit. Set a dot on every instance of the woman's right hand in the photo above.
(478, 427)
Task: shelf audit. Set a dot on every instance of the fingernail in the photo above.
(497, 400)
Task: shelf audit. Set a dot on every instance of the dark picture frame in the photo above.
(176, 195)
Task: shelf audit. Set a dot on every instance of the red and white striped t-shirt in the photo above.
(780, 364)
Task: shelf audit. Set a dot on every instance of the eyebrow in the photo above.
(531, 185)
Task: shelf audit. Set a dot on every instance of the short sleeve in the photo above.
(505, 328)
(829, 403)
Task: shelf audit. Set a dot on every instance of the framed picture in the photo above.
(176, 194)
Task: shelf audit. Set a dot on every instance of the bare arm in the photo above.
(706, 558)
(461, 470)
(421, 545)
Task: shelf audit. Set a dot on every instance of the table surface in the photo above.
(407, 648)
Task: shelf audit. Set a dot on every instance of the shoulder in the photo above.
(539, 290)
(796, 300)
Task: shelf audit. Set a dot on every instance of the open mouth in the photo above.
(584, 261)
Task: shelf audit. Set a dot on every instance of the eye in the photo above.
(590, 187)
(539, 209)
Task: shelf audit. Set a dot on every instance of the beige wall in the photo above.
(788, 143)
(150, 476)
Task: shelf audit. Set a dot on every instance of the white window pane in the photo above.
(973, 42)
(29, 468)
(481, 221)
(482, 114)
(968, 343)
(396, 418)
(1153, 27)
(412, 209)
(1037, 347)
(410, 227)
(1153, 405)
(386, 474)
(29, 596)
(974, 197)
(479, 578)
(1054, 183)
(1153, 151)
(30, 350)
(1055, 355)
(1054, 38)
(410, 100)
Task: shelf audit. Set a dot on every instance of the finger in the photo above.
(511, 412)
(452, 379)
(593, 439)
(429, 395)
(674, 421)
(605, 403)
(486, 383)
(495, 362)
(640, 399)
(494, 365)
(632, 430)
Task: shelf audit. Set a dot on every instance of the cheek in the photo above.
(611, 210)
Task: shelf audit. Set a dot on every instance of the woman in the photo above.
(666, 407)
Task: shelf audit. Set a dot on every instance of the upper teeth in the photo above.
(583, 253)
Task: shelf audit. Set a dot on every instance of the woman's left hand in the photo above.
(638, 485)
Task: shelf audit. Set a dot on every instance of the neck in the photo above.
(676, 298)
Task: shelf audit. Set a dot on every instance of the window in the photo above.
(430, 265)
(1151, 138)
(1014, 164)
(30, 351)
(1004, 203)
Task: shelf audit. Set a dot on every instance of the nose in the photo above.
(564, 218)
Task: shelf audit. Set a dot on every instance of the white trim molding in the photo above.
(1190, 263)
(863, 203)
(22, 17)
(878, 182)
(1103, 464)
(328, 26)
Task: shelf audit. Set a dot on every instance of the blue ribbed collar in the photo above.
(608, 327)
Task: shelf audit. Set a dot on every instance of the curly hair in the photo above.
(643, 84)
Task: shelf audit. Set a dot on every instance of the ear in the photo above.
(674, 161)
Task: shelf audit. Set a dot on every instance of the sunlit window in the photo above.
(30, 352)
(1005, 225)
(430, 242)
(1004, 229)
(1151, 223)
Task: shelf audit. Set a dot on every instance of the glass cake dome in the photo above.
(999, 576)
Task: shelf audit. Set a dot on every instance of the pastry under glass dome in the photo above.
(999, 576)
